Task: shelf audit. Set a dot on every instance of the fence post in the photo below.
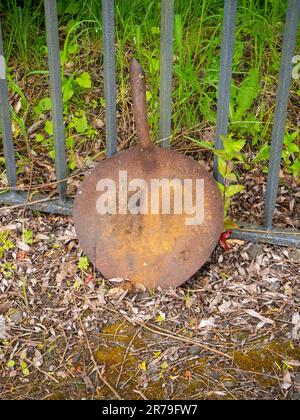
(288, 48)
(108, 24)
(166, 64)
(7, 137)
(56, 96)
(225, 75)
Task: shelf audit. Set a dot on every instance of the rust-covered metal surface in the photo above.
(150, 249)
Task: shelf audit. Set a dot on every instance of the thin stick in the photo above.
(42, 371)
(169, 334)
(184, 340)
(109, 386)
(124, 359)
(30, 203)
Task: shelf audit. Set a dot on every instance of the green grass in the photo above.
(197, 38)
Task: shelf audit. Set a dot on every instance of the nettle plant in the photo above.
(241, 100)
(76, 123)
(293, 141)
(290, 154)
(291, 150)
(228, 158)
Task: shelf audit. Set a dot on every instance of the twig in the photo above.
(124, 358)
(140, 394)
(184, 339)
(101, 377)
(30, 203)
(40, 370)
(169, 334)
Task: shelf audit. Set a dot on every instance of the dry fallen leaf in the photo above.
(38, 358)
(2, 328)
(22, 246)
(207, 323)
(258, 316)
(117, 280)
(287, 380)
(296, 328)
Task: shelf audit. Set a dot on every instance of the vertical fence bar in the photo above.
(108, 24)
(7, 137)
(166, 60)
(288, 48)
(56, 96)
(225, 75)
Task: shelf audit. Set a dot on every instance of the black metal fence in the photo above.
(63, 205)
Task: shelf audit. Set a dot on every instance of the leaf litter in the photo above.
(230, 332)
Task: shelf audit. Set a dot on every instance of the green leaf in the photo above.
(161, 317)
(43, 106)
(144, 365)
(25, 372)
(79, 123)
(52, 154)
(247, 92)
(83, 263)
(148, 95)
(155, 30)
(27, 236)
(49, 128)
(205, 108)
(296, 70)
(220, 153)
(229, 224)
(233, 145)
(296, 168)
(23, 364)
(263, 154)
(234, 189)
(203, 143)
(73, 8)
(293, 148)
(138, 37)
(73, 49)
(221, 187)
(238, 51)
(11, 364)
(231, 176)
(233, 94)
(84, 80)
(39, 137)
(67, 89)
(70, 142)
(222, 166)
(226, 205)
(290, 138)
(72, 163)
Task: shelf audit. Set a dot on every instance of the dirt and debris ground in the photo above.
(231, 332)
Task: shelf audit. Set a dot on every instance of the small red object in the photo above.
(223, 240)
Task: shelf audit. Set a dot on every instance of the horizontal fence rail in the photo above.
(63, 204)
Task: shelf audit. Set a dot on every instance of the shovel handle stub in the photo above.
(138, 88)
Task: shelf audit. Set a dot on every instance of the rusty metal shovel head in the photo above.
(148, 214)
